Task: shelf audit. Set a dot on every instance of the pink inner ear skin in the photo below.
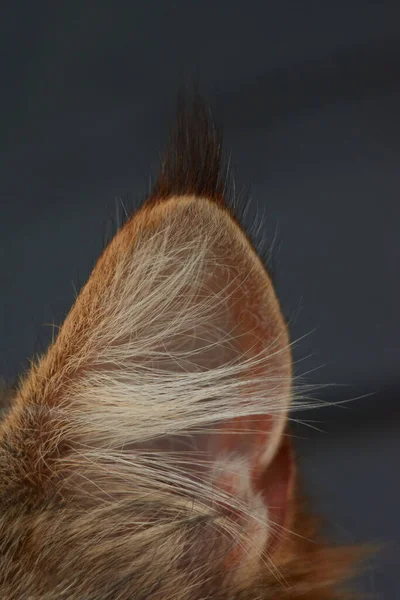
(273, 483)
(276, 483)
(249, 435)
(274, 486)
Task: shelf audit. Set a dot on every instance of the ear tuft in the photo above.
(192, 164)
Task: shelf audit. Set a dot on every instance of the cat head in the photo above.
(147, 454)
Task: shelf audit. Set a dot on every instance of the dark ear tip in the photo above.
(192, 163)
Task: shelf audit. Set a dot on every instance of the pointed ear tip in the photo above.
(159, 197)
(202, 204)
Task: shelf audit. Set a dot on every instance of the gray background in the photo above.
(309, 95)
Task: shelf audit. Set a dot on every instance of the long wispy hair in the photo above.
(147, 454)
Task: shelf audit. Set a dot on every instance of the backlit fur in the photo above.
(127, 454)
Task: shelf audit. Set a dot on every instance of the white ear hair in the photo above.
(166, 354)
(169, 384)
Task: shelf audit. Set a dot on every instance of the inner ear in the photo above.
(243, 333)
(244, 329)
(276, 484)
(242, 455)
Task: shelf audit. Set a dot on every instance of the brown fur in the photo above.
(74, 521)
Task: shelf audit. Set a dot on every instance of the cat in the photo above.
(147, 455)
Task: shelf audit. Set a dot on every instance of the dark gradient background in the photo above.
(309, 95)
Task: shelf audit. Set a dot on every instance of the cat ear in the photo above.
(171, 380)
